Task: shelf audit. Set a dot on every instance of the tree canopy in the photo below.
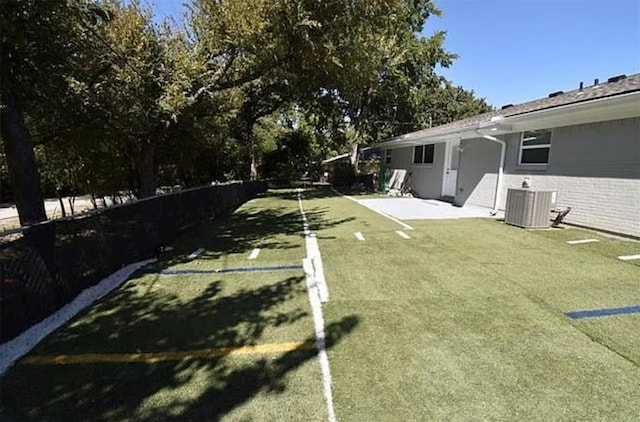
(98, 98)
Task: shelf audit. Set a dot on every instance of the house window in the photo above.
(387, 156)
(423, 154)
(535, 147)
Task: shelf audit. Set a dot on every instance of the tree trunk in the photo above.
(147, 171)
(355, 149)
(72, 202)
(254, 165)
(21, 160)
(61, 201)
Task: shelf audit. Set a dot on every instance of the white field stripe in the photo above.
(359, 236)
(581, 241)
(629, 257)
(195, 253)
(312, 270)
(405, 225)
(318, 322)
(318, 272)
(254, 253)
(312, 284)
(313, 253)
(21, 345)
(403, 234)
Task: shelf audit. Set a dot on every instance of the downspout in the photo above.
(503, 149)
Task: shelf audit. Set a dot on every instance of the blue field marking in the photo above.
(181, 272)
(258, 269)
(228, 270)
(594, 313)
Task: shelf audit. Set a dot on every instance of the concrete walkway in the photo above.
(424, 209)
(52, 207)
(9, 213)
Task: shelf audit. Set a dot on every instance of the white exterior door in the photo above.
(451, 161)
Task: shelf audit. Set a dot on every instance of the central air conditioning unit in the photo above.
(529, 208)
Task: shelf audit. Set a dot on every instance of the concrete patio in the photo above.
(425, 209)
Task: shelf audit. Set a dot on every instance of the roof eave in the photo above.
(336, 158)
(602, 109)
(469, 132)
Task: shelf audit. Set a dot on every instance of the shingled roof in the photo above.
(622, 86)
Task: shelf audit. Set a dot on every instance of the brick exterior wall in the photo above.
(594, 167)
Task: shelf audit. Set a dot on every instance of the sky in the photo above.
(512, 51)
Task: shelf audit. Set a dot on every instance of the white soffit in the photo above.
(612, 108)
(617, 107)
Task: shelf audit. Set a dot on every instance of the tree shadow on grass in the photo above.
(277, 227)
(152, 314)
(309, 193)
(134, 319)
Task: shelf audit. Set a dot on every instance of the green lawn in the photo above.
(463, 321)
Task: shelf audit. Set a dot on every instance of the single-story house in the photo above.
(329, 166)
(584, 144)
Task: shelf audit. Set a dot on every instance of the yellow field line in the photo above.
(167, 356)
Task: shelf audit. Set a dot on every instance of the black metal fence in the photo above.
(45, 266)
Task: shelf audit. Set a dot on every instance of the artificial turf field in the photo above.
(465, 320)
